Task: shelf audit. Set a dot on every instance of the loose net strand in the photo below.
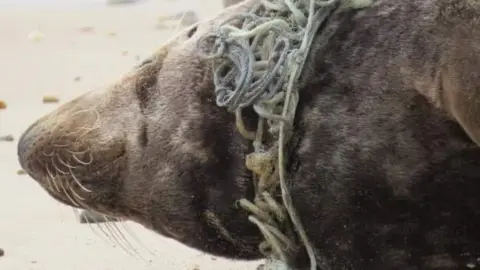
(259, 65)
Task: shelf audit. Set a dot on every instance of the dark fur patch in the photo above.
(143, 135)
(146, 83)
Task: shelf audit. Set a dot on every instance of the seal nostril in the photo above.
(25, 142)
(30, 143)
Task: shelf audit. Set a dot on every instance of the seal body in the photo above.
(384, 172)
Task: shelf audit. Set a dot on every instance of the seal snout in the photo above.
(71, 153)
(24, 144)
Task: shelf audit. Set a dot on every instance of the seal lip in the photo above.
(85, 204)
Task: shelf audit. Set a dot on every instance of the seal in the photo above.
(384, 171)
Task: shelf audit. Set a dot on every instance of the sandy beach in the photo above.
(64, 51)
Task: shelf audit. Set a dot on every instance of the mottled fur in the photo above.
(384, 172)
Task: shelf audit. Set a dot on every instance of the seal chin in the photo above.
(73, 154)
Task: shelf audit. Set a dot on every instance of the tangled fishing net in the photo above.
(259, 65)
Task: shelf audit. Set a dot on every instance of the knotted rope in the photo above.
(259, 65)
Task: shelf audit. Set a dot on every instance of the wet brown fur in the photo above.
(384, 172)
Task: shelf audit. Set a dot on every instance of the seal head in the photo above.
(153, 148)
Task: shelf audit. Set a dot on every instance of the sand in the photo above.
(64, 52)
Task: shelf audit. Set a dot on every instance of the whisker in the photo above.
(80, 111)
(48, 179)
(48, 155)
(95, 126)
(135, 237)
(68, 195)
(176, 29)
(61, 145)
(98, 234)
(81, 161)
(84, 206)
(99, 225)
(77, 152)
(66, 164)
(82, 131)
(115, 237)
(109, 241)
(55, 166)
(74, 193)
(98, 122)
(125, 239)
(52, 178)
(109, 236)
(78, 181)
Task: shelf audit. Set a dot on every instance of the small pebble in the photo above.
(86, 29)
(3, 105)
(196, 267)
(35, 36)
(77, 78)
(7, 138)
(50, 99)
(21, 172)
(2, 252)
